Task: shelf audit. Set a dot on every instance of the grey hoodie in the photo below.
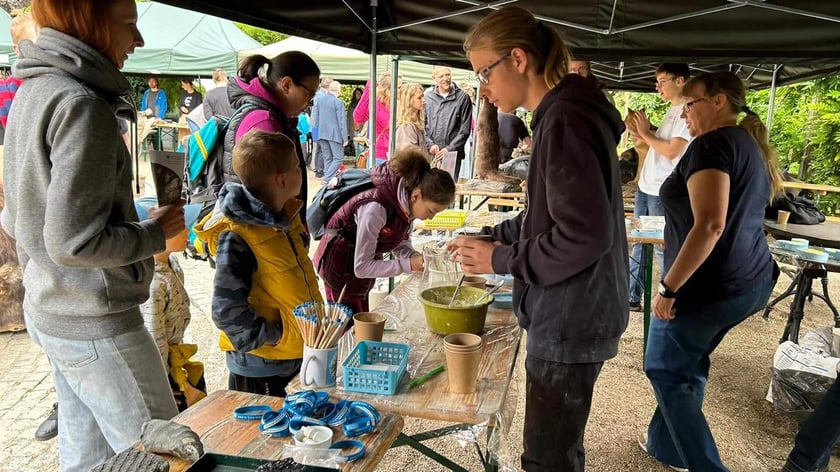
(86, 260)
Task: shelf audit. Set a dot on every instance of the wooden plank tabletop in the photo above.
(819, 188)
(481, 193)
(825, 234)
(212, 419)
(170, 125)
(433, 400)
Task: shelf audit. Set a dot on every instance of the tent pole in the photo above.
(372, 98)
(772, 102)
(395, 78)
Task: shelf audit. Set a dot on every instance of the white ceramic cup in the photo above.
(319, 366)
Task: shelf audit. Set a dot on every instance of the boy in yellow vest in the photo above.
(263, 270)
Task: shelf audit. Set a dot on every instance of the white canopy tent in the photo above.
(350, 65)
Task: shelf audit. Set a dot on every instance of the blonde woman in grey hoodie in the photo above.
(86, 261)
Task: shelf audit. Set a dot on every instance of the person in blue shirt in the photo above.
(154, 101)
(305, 130)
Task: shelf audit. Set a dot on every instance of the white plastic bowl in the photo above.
(314, 437)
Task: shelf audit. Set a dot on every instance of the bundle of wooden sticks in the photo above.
(322, 323)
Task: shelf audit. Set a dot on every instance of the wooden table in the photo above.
(647, 257)
(212, 419)
(825, 234)
(819, 189)
(172, 128)
(432, 400)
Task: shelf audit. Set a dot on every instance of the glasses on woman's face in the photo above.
(483, 75)
(687, 106)
(311, 93)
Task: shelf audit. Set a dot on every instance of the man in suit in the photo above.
(331, 122)
(317, 158)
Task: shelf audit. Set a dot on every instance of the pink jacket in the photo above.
(383, 121)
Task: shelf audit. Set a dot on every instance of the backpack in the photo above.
(332, 196)
(802, 211)
(203, 173)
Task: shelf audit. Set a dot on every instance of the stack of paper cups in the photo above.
(463, 355)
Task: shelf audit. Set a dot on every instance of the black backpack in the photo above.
(802, 211)
(332, 196)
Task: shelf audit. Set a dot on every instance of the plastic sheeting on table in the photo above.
(491, 405)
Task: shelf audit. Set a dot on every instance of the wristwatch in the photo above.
(666, 292)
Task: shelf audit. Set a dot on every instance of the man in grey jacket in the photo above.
(448, 117)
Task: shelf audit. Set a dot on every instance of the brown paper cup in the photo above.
(462, 369)
(368, 326)
(462, 342)
(783, 217)
(475, 281)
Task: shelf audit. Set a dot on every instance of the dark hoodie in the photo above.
(568, 250)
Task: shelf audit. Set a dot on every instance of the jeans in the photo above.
(677, 364)
(557, 402)
(646, 205)
(818, 434)
(332, 154)
(107, 389)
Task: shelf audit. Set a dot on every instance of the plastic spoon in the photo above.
(490, 292)
(457, 288)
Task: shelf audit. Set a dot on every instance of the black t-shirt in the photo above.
(511, 130)
(189, 100)
(741, 256)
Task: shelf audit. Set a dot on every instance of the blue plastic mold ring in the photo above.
(251, 413)
(348, 444)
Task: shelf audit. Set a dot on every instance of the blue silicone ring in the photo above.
(347, 444)
(251, 413)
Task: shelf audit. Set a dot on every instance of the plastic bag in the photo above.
(801, 375)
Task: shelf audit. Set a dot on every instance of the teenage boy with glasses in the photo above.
(667, 145)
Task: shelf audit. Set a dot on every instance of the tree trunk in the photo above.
(809, 135)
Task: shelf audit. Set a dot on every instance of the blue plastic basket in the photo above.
(359, 374)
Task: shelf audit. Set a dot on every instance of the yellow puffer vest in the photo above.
(284, 279)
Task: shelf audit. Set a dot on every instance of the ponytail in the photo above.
(411, 165)
(293, 64)
(754, 127)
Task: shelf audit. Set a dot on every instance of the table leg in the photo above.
(647, 256)
(405, 440)
(788, 292)
(160, 138)
(797, 309)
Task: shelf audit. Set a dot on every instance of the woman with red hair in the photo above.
(86, 261)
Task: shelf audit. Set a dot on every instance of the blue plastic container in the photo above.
(370, 367)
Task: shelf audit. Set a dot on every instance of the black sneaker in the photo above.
(49, 428)
(636, 306)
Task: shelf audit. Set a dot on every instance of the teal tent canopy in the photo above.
(183, 43)
(7, 54)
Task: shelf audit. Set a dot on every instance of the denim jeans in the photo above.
(557, 403)
(107, 389)
(646, 205)
(818, 434)
(677, 364)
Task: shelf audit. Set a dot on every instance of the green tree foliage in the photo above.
(262, 36)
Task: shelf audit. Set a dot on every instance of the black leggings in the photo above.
(274, 386)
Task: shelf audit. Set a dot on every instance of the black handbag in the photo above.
(802, 211)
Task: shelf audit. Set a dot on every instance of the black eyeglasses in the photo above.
(310, 92)
(687, 106)
(483, 75)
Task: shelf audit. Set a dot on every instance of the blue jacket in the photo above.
(160, 103)
(330, 117)
(303, 126)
